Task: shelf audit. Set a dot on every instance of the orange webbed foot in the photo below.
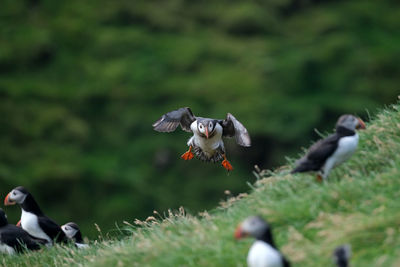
(319, 178)
(188, 155)
(226, 164)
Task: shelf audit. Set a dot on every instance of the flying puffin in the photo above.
(341, 255)
(33, 220)
(206, 143)
(263, 252)
(14, 239)
(333, 150)
(73, 232)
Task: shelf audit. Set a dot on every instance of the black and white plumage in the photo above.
(206, 141)
(341, 256)
(333, 150)
(263, 252)
(74, 234)
(14, 239)
(33, 219)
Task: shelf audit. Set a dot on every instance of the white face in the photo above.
(254, 226)
(69, 231)
(205, 127)
(17, 196)
(350, 122)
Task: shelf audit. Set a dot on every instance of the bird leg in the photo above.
(226, 164)
(319, 178)
(188, 155)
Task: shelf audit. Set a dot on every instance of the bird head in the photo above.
(16, 196)
(206, 126)
(253, 226)
(70, 229)
(350, 122)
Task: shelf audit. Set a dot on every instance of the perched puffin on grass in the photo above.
(263, 252)
(73, 232)
(14, 239)
(341, 256)
(33, 220)
(206, 143)
(333, 150)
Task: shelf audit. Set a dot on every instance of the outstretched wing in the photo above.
(170, 121)
(317, 154)
(232, 127)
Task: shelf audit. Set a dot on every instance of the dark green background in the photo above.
(81, 82)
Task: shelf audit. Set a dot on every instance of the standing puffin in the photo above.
(33, 220)
(263, 252)
(341, 256)
(73, 232)
(333, 150)
(14, 239)
(206, 142)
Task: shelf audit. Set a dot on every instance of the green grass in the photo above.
(359, 205)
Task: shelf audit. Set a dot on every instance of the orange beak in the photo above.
(19, 223)
(7, 202)
(361, 124)
(207, 132)
(239, 233)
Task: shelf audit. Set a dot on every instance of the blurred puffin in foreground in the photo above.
(263, 252)
(14, 239)
(33, 219)
(206, 143)
(73, 233)
(341, 256)
(333, 150)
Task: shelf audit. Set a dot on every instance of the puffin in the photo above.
(14, 239)
(341, 255)
(263, 252)
(73, 233)
(206, 143)
(33, 219)
(335, 149)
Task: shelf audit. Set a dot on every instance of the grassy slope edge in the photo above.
(358, 205)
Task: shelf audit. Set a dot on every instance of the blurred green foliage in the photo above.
(81, 82)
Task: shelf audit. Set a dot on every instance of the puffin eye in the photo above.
(201, 126)
(14, 193)
(210, 125)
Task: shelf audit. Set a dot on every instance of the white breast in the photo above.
(29, 222)
(262, 254)
(207, 145)
(6, 249)
(346, 148)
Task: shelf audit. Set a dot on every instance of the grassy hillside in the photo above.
(358, 205)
